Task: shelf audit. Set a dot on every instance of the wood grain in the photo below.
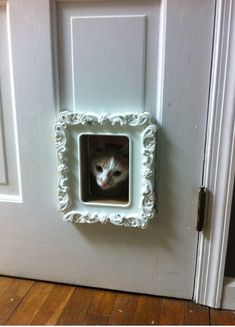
(92, 319)
(76, 309)
(148, 310)
(172, 312)
(124, 309)
(12, 296)
(100, 308)
(5, 283)
(196, 314)
(26, 302)
(102, 303)
(31, 304)
(222, 317)
(53, 306)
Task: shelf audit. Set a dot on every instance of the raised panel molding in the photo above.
(3, 164)
(106, 55)
(3, 171)
(10, 189)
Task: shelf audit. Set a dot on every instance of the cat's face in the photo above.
(110, 167)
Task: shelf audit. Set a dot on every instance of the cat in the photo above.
(109, 164)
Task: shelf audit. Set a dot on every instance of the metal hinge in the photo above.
(201, 208)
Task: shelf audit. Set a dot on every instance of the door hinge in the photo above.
(201, 208)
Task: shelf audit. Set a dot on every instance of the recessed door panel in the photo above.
(10, 188)
(106, 54)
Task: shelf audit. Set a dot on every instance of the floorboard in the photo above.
(222, 317)
(31, 304)
(92, 319)
(196, 314)
(148, 310)
(5, 283)
(53, 306)
(27, 302)
(124, 309)
(12, 296)
(102, 303)
(172, 312)
(76, 309)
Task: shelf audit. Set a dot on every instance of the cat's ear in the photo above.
(125, 151)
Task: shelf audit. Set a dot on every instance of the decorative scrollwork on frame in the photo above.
(148, 137)
(62, 170)
(116, 219)
(131, 119)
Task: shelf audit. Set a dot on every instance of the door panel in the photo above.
(9, 159)
(107, 51)
(167, 74)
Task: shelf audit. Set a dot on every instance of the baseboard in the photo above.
(228, 294)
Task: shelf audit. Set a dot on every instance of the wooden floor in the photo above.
(27, 302)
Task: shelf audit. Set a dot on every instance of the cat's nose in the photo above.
(104, 183)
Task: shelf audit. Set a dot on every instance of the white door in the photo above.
(55, 57)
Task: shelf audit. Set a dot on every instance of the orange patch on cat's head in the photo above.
(103, 163)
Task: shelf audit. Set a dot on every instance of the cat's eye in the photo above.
(99, 169)
(117, 173)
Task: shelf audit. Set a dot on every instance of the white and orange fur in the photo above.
(109, 164)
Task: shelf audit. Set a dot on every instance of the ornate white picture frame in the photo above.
(141, 132)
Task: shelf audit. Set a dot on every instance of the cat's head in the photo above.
(109, 165)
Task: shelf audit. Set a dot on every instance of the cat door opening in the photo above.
(104, 169)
